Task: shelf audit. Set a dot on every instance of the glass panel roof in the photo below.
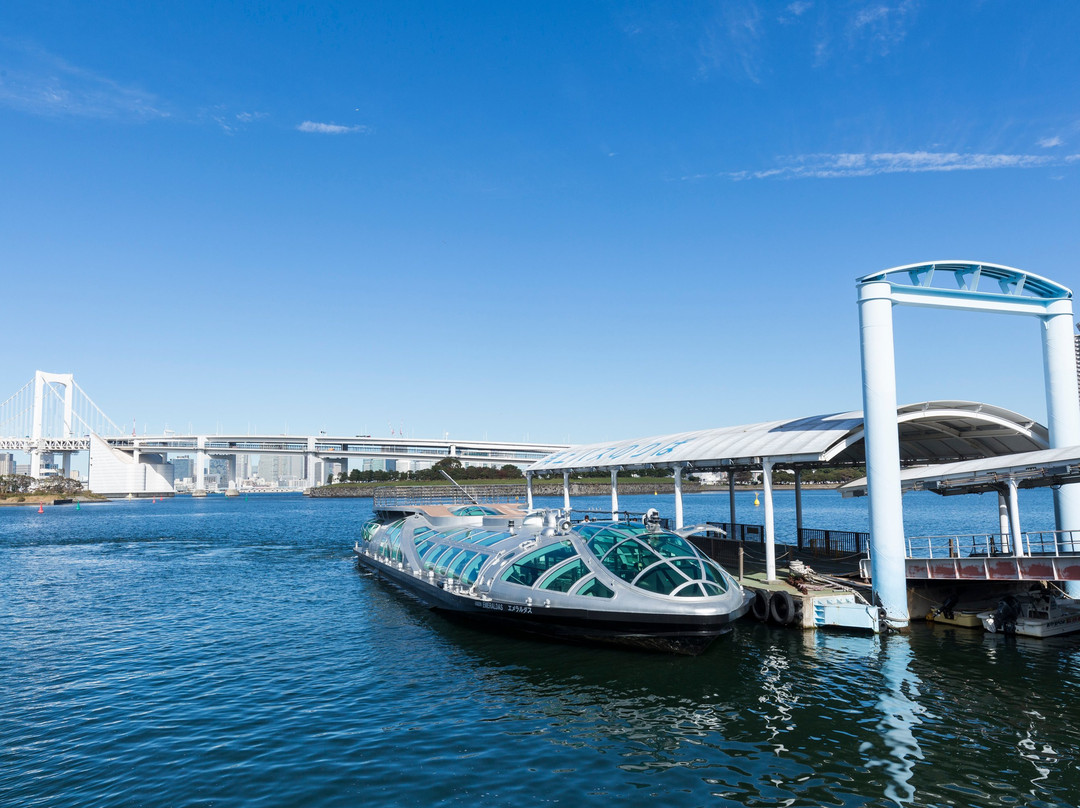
(474, 510)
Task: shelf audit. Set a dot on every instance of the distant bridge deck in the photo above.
(328, 446)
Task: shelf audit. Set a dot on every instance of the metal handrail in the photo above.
(989, 545)
(397, 496)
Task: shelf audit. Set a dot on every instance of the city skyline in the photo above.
(563, 223)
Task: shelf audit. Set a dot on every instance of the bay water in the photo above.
(229, 652)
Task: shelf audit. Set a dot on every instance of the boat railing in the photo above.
(988, 545)
(601, 515)
(390, 497)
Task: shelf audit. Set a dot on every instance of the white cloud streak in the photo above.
(331, 128)
(1050, 142)
(829, 166)
(40, 83)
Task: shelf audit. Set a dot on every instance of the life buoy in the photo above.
(760, 606)
(782, 608)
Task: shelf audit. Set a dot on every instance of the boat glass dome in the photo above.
(658, 562)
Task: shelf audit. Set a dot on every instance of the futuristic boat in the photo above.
(536, 572)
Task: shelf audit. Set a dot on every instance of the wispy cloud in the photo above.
(729, 42)
(331, 128)
(37, 82)
(825, 166)
(231, 122)
(883, 25)
(1050, 142)
(795, 10)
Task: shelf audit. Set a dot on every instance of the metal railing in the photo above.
(988, 545)
(833, 542)
(830, 543)
(602, 515)
(398, 496)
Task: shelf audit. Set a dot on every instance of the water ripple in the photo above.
(213, 653)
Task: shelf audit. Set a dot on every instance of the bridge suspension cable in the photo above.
(16, 413)
(57, 420)
(95, 419)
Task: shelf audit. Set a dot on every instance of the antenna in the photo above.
(462, 490)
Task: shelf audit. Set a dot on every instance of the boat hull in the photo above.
(680, 634)
(1033, 617)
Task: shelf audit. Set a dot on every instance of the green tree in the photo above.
(354, 476)
(330, 478)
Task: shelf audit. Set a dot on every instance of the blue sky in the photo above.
(554, 221)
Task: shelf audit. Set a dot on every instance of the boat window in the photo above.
(628, 558)
(604, 540)
(662, 579)
(587, 529)
(474, 510)
(437, 555)
(462, 534)
(422, 548)
(468, 575)
(690, 567)
(532, 566)
(691, 591)
(595, 589)
(713, 575)
(564, 577)
(494, 538)
(461, 561)
(433, 552)
(712, 590)
(447, 559)
(422, 533)
(668, 544)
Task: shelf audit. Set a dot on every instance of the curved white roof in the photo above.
(1029, 469)
(967, 275)
(931, 431)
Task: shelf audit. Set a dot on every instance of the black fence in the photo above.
(823, 543)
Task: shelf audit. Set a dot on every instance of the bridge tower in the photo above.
(67, 381)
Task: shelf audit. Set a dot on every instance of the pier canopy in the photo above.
(930, 432)
(1026, 470)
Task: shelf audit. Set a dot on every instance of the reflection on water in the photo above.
(223, 655)
(900, 710)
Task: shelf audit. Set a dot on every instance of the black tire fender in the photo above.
(759, 607)
(782, 608)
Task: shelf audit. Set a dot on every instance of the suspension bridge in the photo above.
(51, 416)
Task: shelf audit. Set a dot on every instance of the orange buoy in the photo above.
(41, 508)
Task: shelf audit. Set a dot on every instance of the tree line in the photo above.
(451, 465)
(25, 484)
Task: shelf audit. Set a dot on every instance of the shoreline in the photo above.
(580, 489)
(48, 499)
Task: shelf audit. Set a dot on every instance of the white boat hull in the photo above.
(1033, 616)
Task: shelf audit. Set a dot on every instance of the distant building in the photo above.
(183, 467)
(7, 464)
(279, 469)
(219, 469)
